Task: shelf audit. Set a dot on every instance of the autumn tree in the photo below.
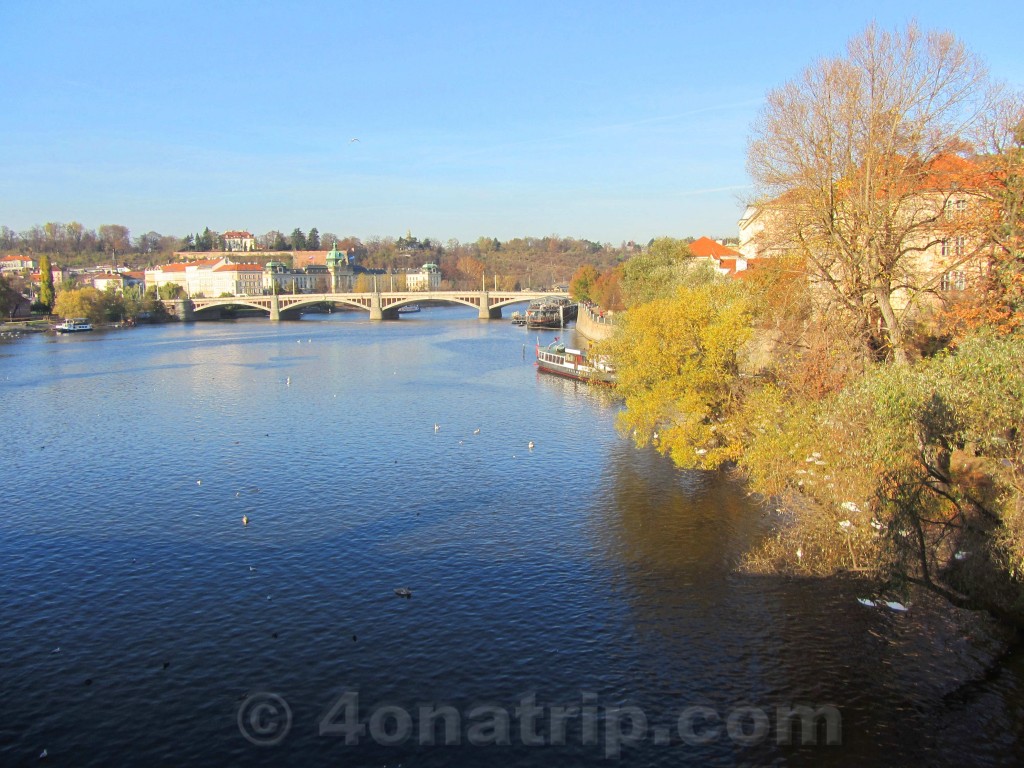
(847, 160)
(998, 301)
(581, 285)
(46, 293)
(470, 269)
(115, 239)
(678, 371)
(81, 302)
(607, 290)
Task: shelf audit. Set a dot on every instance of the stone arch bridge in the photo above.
(380, 305)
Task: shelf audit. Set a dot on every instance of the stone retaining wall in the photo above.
(594, 326)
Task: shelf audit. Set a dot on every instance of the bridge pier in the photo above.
(375, 310)
(488, 312)
(275, 308)
(180, 308)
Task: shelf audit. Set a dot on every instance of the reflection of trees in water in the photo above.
(674, 523)
(700, 633)
(671, 541)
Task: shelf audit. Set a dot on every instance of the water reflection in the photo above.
(581, 565)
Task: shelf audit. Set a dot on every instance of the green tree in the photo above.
(656, 272)
(112, 305)
(205, 241)
(169, 291)
(46, 292)
(277, 241)
(313, 240)
(9, 298)
(298, 240)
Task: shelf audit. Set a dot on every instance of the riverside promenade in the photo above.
(594, 326)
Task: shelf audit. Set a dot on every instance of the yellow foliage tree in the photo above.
(80, 302)
(678, 371)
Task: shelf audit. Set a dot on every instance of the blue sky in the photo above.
(609, 121)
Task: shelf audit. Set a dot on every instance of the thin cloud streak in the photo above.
(592, 131)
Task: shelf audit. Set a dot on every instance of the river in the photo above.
(571, 604)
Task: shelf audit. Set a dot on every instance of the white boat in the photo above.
(73, 325)
(558, 359)
(408, 308)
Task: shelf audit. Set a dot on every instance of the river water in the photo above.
(573, 604)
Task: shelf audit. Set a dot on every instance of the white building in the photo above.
(209, 278)
(428, 278)
(104, 279)
(239, 240)
(16, 263)
(315, 278)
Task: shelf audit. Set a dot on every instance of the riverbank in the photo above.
(33, 325)
(596, 327)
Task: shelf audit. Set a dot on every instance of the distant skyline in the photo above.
(600, 120)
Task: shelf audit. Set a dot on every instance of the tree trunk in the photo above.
(893, 330)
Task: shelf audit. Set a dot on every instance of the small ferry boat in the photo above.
(408, 309)
(73, 325)
(560, 360)
(518, 318)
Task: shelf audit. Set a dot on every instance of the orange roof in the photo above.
(180, 266)
(239, 268)
(235, 233)
(106, 276)
(707, 247)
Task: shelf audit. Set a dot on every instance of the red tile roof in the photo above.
(239, 268)
(707, 247)
(180, 266)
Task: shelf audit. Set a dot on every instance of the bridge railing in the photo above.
(528, 293)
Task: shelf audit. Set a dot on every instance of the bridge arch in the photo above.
(379, 305)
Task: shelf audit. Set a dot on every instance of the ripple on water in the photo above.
(584, 565)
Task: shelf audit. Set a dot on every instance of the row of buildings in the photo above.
(219, 276)
(333, 271)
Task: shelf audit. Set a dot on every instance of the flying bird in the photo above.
(351, 140)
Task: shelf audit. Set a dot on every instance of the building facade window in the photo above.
(954, 280)
(955, 207)
(954, 246)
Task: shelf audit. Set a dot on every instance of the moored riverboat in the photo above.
(550, 312)
(73, 325)
(560, 360)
